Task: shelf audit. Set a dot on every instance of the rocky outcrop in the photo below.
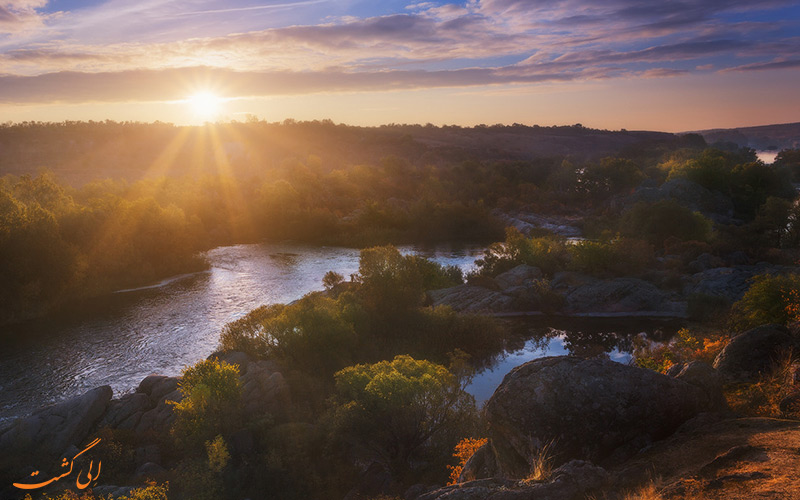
(754, 352)
(472, 299)
(527, 223)
(54, 429)
(585, 409)
(729, 283)
(520, 276)
(585, 295)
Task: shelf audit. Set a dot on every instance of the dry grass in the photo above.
(762, 398)
(541, 464)
(649, 492)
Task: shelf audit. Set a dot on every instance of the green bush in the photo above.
(211, 402)
(315, 333)
(548, 254)
(620, 257)
(664, 220)
(770, 299)
(403, 413)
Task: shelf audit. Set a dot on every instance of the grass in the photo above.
(541, 464)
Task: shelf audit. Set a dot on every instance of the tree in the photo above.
(401, 413)
(211, 399)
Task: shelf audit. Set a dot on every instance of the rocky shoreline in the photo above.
(524, 291)
(596, 420)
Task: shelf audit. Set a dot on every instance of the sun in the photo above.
(205, 105)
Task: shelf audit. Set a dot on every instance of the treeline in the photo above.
(60, 241)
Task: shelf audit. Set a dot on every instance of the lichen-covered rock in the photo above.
(472, 299)
(584, 409)
(518, 276)
(754, 352)
(621, 296)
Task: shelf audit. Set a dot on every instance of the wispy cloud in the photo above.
(427, 44)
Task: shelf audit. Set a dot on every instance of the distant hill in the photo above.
(763, 138)
(81, 151)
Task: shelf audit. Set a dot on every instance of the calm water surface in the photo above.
(119, 340)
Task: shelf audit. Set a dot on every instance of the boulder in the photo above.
(264, 389)
(150, 470)
(754, 352)
(704, 376)
(125, 412)
(52, 430)
(472, 299)
(481, 465)
(519, 276)
(584, 409)
(620, 296)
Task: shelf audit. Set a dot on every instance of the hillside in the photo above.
(763, 138)
(82, 151)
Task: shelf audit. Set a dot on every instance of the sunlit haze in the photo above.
(620, 64)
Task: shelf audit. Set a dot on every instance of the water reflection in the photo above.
(535, 338)
(119, 339)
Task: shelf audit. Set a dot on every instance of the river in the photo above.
(120, 339)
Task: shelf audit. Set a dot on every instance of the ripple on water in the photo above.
(120, 339)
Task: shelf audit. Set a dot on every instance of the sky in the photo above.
(672, 65)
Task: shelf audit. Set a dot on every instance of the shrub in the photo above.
(211, 400)
(659, 221)
(463, 452)
(770, 299)
(331, 279)
(548, 254)
(402, 413)
(620, 256)
(316, 333)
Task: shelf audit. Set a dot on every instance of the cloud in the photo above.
(794, 63)
(20, 15)
(481, 42)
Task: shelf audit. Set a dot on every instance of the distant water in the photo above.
(767, 157)
(612, 338)
(120, 339)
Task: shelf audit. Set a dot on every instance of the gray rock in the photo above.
(472, 299)
(53, 429)
(704, 262)
(149, 470)
(754, 352)
(159, 419)
(729, 283)
(264, 389)
(518, 276)
(125, 412)
(620, 296)
(481, 465)
(584, 409)
(704, 376)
